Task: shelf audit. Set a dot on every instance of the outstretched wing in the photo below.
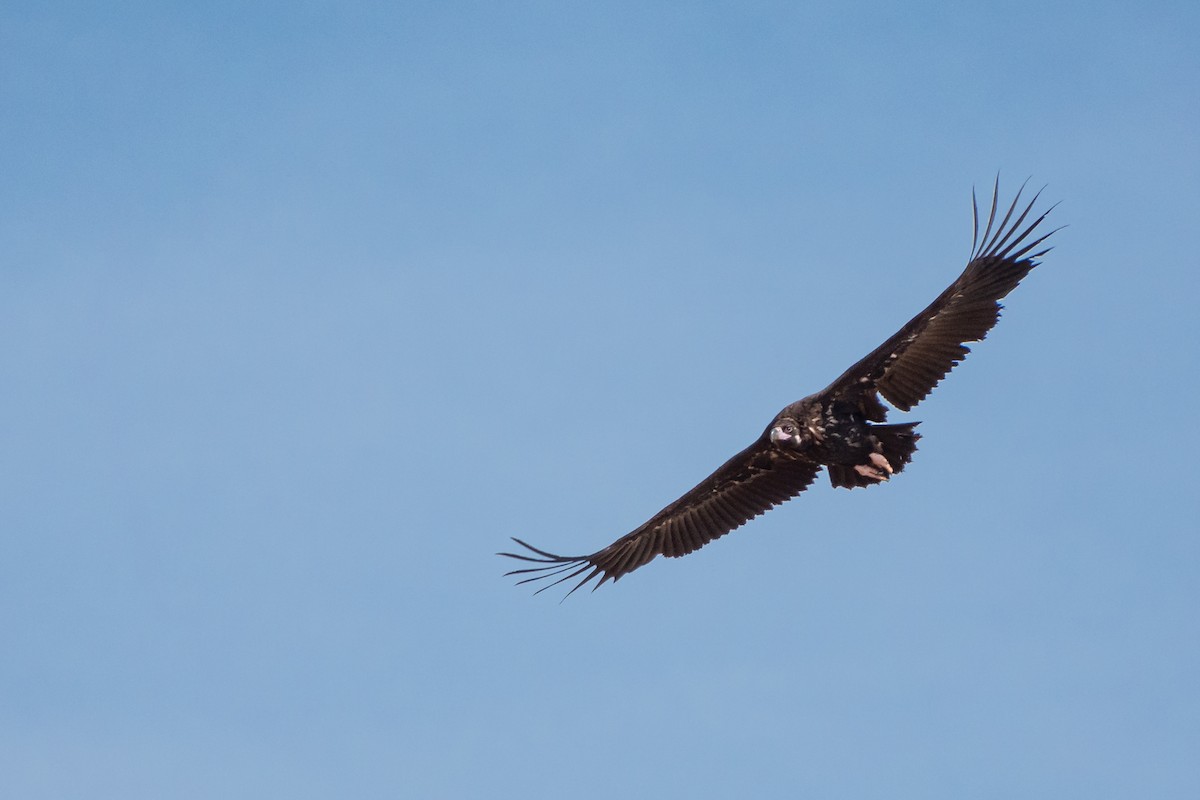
(755, 480)
(906, 367)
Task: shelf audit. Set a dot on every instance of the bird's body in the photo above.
(842, 428)
(835, 433)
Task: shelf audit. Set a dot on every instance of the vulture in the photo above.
(842, 428)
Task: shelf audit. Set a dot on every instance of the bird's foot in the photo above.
(878, 470)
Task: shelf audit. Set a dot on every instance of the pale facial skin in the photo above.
(786, 433)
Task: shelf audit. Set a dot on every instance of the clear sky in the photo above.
(305, 308)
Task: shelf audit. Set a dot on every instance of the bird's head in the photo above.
(786, 433)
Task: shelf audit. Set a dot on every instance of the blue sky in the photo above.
(308, 307)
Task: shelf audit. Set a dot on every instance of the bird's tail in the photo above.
(897, 444)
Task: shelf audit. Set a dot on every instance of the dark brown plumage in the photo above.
(840, 427)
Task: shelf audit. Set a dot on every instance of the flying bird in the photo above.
(842, 428)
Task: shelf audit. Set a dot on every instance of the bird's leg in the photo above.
(878, 470)
(878, 460)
